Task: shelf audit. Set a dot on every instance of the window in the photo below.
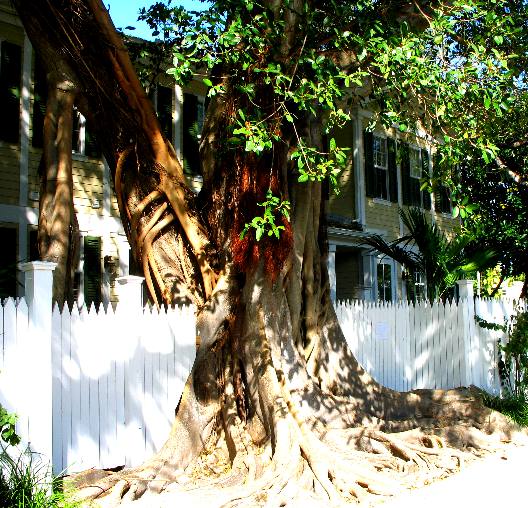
(10, 76)
(384, 276)
(414, 169)
(379, 148)
(84, 142)
(415, 162)
(380, 167)
(416, 287)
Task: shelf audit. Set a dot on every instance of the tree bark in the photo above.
(58, 229)
(274, 394)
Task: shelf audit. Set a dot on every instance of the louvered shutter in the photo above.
(91, 145)
(190, 138)
(92, 270)
(164, 107)
(426, 195)
(393, 171)
(40, 96)
(406, 174)
(370, 174)
(10, 75)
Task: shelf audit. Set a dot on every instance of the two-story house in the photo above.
(384, 174)
(104, 249)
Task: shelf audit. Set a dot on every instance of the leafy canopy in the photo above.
(447, 68)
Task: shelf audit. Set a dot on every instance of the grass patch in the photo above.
(26, 482)
(515, 408)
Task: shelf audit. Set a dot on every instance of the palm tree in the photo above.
(426, 250)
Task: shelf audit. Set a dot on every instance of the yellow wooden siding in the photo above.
(87, 185)
(9, 174)
(447, 224)
(344, 203)
(383, 216)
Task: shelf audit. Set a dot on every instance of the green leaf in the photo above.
(207, 82)
(303, 178)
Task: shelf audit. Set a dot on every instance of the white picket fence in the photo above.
(406, 346)
(117, 379)
(99, 389)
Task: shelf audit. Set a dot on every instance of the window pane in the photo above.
(415, 163)
(384, 281)
(379, 152)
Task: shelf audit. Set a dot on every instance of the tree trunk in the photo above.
(58, 229)
(274, 400)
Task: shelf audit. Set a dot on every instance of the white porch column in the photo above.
(332, 271)
(38, 284)
(359, 172)
(177, 122)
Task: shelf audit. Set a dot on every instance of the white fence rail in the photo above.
(99, 389)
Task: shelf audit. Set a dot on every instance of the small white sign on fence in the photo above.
(382, 330)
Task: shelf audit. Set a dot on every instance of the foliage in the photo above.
(516, 408)
(273, 209)
(25, 482)
(8, 427)
(513, 362)
(501, 189)
(512, 367)
(426, 249)
(450, 69)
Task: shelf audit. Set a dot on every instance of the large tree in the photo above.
(275, 400)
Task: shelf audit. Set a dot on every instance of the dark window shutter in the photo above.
(91, 145)
(8, 262)
(191, 157)
(370, 174)
(40, 97)
(10, 75)
(406, 174)
(33, 250)
(442, 203)
(92, 270)
(393, 171)
(426, 195)
(164, 106)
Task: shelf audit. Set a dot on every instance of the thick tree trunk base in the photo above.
(265, 432)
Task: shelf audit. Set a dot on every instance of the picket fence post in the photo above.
(38, 286)
(130, 292)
